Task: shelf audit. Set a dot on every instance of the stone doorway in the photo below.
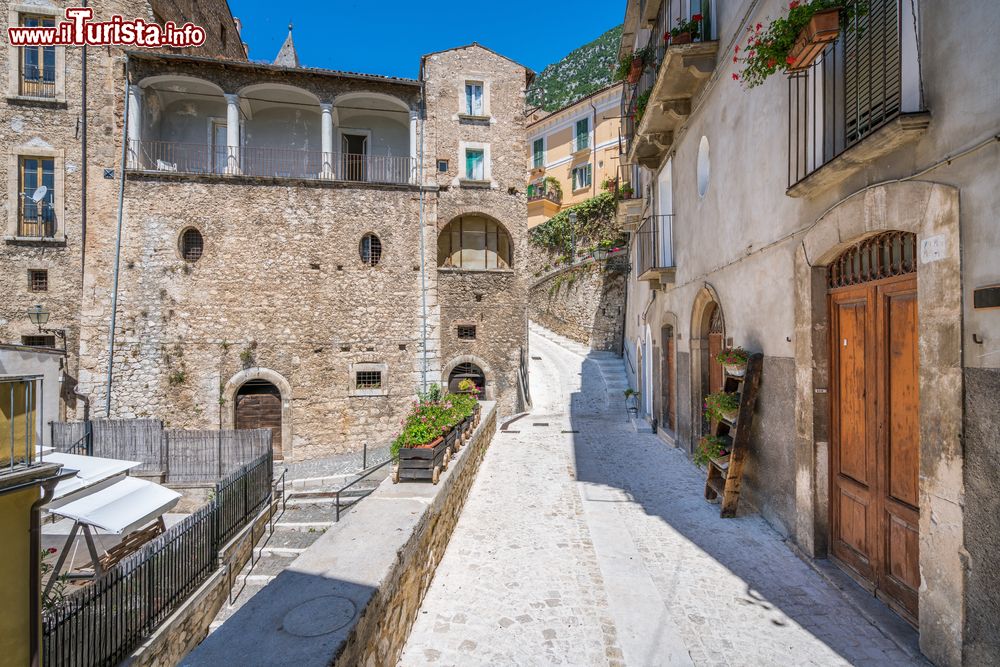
(258, 405)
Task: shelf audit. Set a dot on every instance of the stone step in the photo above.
(304, 526)
(268, 551)
(284, 538)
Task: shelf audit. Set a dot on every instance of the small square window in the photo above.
(442, 165)
(39, 341)
(38, 280)
(368, 380)
(467, 332)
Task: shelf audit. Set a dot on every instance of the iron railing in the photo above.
(540, 192)
(358, 496)
(37, 81)
(629, 182)
(166, 156)
(104, 622)
(853, 89)
(35, 219)
(654, 243)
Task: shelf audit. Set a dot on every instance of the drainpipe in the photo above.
(593, 150)
(83, 161)
(35, 576)
(423, 264)
(118, 248)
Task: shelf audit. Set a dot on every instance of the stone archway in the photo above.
(261, 375)
(708, 336)
(931, 211)
(666, 396)
(489, 381)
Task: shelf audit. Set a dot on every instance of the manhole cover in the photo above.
(319, 616)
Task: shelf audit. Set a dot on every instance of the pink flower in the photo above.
(737, 48)
(793, 4)
(736, 77)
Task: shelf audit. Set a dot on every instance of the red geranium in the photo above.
(696, 17)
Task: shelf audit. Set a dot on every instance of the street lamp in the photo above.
(39, 316)
(572, 232)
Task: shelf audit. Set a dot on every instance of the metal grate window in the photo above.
(371, 249)
(39, 341)
(442, 165)
(467, 332)
(882, 256)
(38, 280)
(368, 380)
(192, 245)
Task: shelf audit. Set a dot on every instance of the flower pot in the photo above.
(736, 370)
(635, 72)
(823, 28)
(730, 416)
(682, 38)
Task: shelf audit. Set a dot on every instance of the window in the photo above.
(368, 380)
(466, 332)
(442, 165)
(703, 167)
(582, 137)
(38, 63)
(475, 164)
(192, 245)
(38, 280)
(538, 153)
(38, 341)
(36, 216)
(474, 98)
(371, 249)
(581, 177)
(474, 242)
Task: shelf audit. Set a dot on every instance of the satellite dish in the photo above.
(39, 193)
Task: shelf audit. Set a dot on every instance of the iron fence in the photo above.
(35, 219)
(853, 89)
(166, 156)
(100, 625)
(654, 243)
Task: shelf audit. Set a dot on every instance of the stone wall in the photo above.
(585, 303)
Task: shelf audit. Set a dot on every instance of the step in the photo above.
(284, 538)
(285, 552)
(304, 526)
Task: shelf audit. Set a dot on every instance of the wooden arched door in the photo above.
(875, 424)
(258, 405)
(668, 380)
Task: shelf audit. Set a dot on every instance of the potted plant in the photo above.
(630, 66)
(710, 447)
(551, 184)
(792, 43)
(722, 406)
(431, 434)
(734, 361)
(685, 32)
(632, 401)
(641, 104)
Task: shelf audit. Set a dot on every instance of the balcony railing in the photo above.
(35, 219)
(167, 156)
(537, 194)
(37, 81)
(654, 246)
(854, 88)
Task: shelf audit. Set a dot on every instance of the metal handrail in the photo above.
(360, 477)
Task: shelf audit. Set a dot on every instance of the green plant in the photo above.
(596, 219)
(692, 26)
(57, 594)
(643, 55)
(247, 356)
(466, 385)
(431, 418)
(177, 378)
(767, 50)
(720, 404)
(709, 447)
(641, 103)
(552, 185)
(733, 356)
(630, 392)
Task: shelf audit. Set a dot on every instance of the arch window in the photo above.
(192, 245)
(371, 249)
(474, 242)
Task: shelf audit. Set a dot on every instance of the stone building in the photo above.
(842, 222)
(304, 249)
(50, 139)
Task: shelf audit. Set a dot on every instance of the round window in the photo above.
(192, 245)
(703, 167)
(371, 249)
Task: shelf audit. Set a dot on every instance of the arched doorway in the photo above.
(467, 371)
(708, 338)
(258, 405)
(647, 374)
(875, 417)
(668, 380)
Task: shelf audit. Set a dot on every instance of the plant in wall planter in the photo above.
(685, 32)
(734, 361)
(792, 43)
(641, 104)
(722, 406)
(710, 447)
(632, 401)
(630, 66)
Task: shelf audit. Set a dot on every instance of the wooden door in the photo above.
(875, 437)
(668, 382)
(260, 407)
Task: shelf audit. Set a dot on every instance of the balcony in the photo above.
(35, 220)
(543, 200)
(858, 102)
(37, 81)
(169, 157)
(655, 251)
(660, 101)
(20, 421)
(631, 196)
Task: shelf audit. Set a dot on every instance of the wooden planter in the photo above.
(425, 462)
(823, 28)
(683, 38)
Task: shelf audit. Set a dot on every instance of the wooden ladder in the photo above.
(725, 474)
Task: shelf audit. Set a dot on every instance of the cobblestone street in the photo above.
(585, 543)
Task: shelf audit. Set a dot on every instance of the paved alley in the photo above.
(585, 543)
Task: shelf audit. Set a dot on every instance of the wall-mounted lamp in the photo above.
(39, 316)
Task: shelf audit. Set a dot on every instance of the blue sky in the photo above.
(350, 35)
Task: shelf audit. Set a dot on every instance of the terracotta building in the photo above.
(840, 221)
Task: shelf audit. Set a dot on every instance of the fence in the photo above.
(182, 456)
(102, 623)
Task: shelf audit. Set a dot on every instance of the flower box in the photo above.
(681, 38)
(425, 462)
(823, 28)
(635, 71)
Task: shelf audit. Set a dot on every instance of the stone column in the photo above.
(134, 125)
(414, 146)
(233, 134)
(326, 109)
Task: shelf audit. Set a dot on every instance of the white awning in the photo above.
(91, 471)
(121, 507)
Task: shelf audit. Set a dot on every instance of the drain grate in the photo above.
(540, 424)
(537, 358)
(510, 431)
(574, 431)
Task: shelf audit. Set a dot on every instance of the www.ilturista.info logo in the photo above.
(79, 30)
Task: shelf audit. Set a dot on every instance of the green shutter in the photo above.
(582, 134)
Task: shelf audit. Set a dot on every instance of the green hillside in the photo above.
(582, 72)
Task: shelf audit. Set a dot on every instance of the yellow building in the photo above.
(25, 484)
(572, 152)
